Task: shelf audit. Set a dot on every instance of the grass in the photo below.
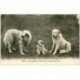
(41, 27)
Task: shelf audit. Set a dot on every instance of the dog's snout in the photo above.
(53, 35)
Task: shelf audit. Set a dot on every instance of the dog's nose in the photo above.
(53, 35)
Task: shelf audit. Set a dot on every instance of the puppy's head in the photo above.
(56, 33)
(40, 42)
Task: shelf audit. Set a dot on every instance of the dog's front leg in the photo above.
(56, 48)
(25, 48)
(44, 52)
(21, 47)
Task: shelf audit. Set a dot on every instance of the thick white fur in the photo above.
(59, 42)
(13, 34)
(41, 47)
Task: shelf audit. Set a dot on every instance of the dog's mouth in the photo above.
(55, 36)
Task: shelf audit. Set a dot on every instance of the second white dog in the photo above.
(59, 43)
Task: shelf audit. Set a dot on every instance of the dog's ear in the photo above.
(60, 35)
(22, 36)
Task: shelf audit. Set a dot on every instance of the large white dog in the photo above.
(22, 37)
(59, 43)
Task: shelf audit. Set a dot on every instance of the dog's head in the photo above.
(40, 42)
(56, 33)
(26, 36)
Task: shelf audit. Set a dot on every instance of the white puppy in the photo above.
(22, 38)
(59, 43)
(41, 48)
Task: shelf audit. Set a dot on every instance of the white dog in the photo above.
(59, 43)
(41, 48)
(22, 38)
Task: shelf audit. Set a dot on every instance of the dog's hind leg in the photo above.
(68, 47)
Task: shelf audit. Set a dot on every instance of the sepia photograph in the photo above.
(40, 39)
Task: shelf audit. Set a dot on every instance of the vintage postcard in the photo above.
(40, 39)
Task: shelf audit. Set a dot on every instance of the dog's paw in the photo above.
(22, 53)
(53, 53)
